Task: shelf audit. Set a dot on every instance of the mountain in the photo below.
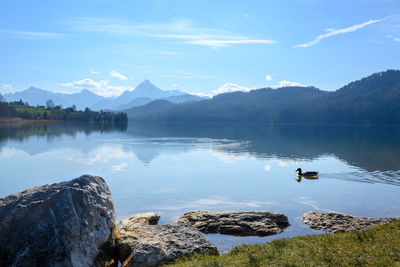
(371, 100)
(184, 98)
(35, 96)
(144, 93)
(173, 99)
(259, 105)
(151, 110)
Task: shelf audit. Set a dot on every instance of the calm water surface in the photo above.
(173, 168)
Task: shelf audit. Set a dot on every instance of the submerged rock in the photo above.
(246, 223)
(339, 222)
(63, 224)
(141, 243)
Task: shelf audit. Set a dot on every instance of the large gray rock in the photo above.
(339, 222)
(242, 223)
(64, 224)
(141, 243)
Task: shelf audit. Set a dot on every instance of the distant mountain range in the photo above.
(371, 100)
(143, 94)
(374, 99)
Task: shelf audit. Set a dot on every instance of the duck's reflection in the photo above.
(308, 178)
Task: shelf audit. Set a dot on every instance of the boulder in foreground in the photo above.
(339, 222)
(63, 224)
(147, 244)
(246, 223)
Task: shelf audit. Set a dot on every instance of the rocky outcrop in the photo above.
(64, 224)
(147, 244)
(338, 222)
(249, 223)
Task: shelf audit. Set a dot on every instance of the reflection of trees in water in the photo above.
(375, 149)
(368, 147)
(50, 131)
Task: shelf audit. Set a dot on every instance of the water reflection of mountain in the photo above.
(373, 148)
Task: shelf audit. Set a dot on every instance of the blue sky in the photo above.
(202, 47)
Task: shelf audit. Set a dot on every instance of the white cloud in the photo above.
(287, 162)
(246, 15)
(268, 77)
(118, 75)
(201, 94)
(267, 168)
(228, 157)
(102, 88)
(394, 38)
(230, 87)
(102, 154)
(119, 168)
(182, 30)
(95, 72)
(215, 203)
(226, 43)
(285, 83)
(32, 35)
(8, 153)
(7, 88)
(333, 32)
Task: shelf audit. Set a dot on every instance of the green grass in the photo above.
(377, 246)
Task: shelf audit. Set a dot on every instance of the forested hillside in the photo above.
(374, 99)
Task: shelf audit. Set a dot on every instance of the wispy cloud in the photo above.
(102, 87)
(226, 43)
(118, 75)
(32, 35)
(394, 38)
(285, 83)
(333, 32)
(182, 30)
(268, 77)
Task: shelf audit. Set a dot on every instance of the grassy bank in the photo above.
(377, 246)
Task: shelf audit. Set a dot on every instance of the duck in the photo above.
(306, 174)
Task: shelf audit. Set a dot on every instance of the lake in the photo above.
(174, 168)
